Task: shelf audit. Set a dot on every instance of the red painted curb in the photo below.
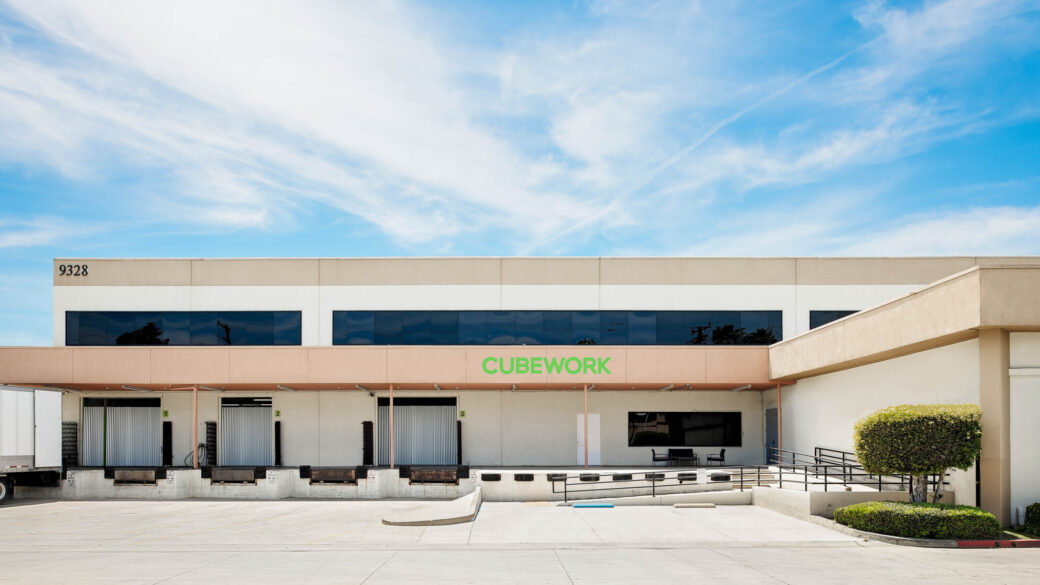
(1025, 543)
(978, 544)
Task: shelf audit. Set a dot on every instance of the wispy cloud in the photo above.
(41, 231)
(584, 127)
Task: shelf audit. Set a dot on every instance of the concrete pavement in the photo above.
(199, 541)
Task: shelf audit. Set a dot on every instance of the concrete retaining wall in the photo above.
(802, 505)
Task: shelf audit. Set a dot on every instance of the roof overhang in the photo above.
(375, 368)
(951, 310)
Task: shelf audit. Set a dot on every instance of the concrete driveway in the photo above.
(198, 541)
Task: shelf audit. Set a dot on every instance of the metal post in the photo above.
(779, 420)
(391, 426)
(586, 425)
(741, 478)
(195, 423)
(825, 477)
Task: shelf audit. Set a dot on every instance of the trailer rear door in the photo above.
(48, 428)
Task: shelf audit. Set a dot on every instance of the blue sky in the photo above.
(137, 129)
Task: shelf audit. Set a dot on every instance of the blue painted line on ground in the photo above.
(593, 505)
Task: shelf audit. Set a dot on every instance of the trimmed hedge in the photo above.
(920, 520)
(919, 438)
(1033, 518)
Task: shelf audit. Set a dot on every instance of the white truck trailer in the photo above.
(30, 436)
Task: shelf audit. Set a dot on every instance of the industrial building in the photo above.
(533, 362)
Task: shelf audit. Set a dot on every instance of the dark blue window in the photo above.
(584, 327)
(671, 328)
(444, 327)
(557, 327)
(501, 328)
(204, 329)
(182, 328)
(354, 328)
(642, 327)
(613, 328)
(415, 327)
(529, 328)
(818, 318)
(388, 328)
(288, 328)
(93, 330)
(473, 327)
(177, 327)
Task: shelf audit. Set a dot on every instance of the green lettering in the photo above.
(536, 365)
(523, 365)
(555, 366)
(590, 365)
(502, 368)
(602, 365)
(577, 365)
(486, 360)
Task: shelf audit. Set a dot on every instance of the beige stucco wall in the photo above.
(540, 428)
(518, 428)
(1025, 420)
(820, 411)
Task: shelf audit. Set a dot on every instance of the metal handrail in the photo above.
(656, 479)
(804, 470)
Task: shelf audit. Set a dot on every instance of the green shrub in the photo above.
(1032, 524)
(920, 520)
(919, 440)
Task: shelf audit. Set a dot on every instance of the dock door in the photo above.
(425, 431)
(122, 432)
(246, 432)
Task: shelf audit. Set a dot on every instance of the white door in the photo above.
(593, 439)
(48, 428)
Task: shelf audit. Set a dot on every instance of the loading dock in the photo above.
(425, 431)
(121, 432)
(246, 432)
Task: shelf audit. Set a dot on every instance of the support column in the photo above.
(195, 424)
(995, 400)
(391, 426)
(779, 420)
(586, 425)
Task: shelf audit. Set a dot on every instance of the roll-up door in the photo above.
(424, 431)
(122, 432)
(246, 435)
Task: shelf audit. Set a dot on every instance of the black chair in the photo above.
(719, 457)
(682, 457)
(656, 458)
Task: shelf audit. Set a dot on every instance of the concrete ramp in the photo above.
(457, 511)
(716, 498)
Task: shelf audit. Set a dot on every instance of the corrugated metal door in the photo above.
(134, 436)
(122, 432)
(246, 436)
(424, 434)
(93, 436)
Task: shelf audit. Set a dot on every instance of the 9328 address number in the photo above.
(72, 269)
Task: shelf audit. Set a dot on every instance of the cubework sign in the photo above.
(543, 365)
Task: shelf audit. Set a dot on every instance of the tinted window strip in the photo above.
(557, 327)
(183, 328)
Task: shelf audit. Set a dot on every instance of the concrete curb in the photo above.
(900, 540)
(457, 511)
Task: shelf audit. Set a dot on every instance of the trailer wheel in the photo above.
(6, 489)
